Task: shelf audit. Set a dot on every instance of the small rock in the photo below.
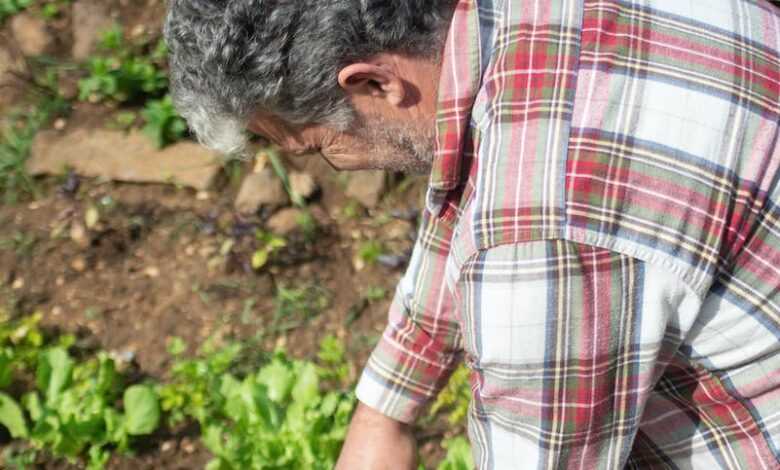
(203, 196)
(56, 311)
(397, 229)
(152, 271)
(91, 18)
(259, 190)
(187, 446)
(60, 281)
(367, 187)
(119, 156)
(79, 264)
(285, 221)
(303, 184)
(166, 446)
(78, 233)
(18, 284)
(60, 124)
(31, 33)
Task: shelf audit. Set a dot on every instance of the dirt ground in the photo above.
(153, 267)
(128, 266)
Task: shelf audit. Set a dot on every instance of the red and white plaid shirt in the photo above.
(602, 237)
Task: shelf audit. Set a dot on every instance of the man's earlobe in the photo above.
(374, 80)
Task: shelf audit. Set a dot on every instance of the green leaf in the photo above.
(142, 409)
(259, 259)
(6, 369)
(279, 379)
(55, 368)
(176, 346)
(458, 456)
(306, 389)
(12, 417)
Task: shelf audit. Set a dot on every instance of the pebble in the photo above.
(303, 184)
(152, 271)
(78, 233)
(187, 446)
(56, 311)
(285, 221)
(203, 196)
(60, 124)
(166, 446)
(18, 284)
(79, 264)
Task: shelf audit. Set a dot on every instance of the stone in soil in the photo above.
(31, 34)
(129, 157)
(303, 184)
(91, 18)
(262, 189)
(285, 221)
(367, 187)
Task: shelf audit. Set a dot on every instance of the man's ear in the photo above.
(373, 80)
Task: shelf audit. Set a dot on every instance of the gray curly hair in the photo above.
(231, 57)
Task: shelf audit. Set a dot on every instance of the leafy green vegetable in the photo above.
(142, 409)
(121, 73)
(12, 417)
(455, 397)
(276, 417)
(458, 455)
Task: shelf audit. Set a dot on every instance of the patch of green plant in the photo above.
(281, 172)
(459, 456)
(370, 251)
(16, 138)
(293, 307)
(279, 416)
(267, 245)
(72, 411)
(53, 8)
(455, 397)
(163, 124)
(11, 7)
(121, 73)
(21, 243)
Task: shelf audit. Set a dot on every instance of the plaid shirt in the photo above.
(602, 237)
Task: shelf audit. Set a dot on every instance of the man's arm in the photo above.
(411, 363)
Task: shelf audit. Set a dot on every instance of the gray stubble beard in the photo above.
(399, 146)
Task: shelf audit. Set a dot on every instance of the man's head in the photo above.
(354, 79)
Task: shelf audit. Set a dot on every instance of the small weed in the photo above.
(296, 306)
(120, 73)
(16, 139)
(11, 7)
(163, 124)
(53, 8)
(370, 251)
(352, 210)
(21, 243)
(268, 244)
(375, 293)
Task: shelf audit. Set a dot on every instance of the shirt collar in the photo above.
(458, 87)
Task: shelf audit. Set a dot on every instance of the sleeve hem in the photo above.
(382, 398)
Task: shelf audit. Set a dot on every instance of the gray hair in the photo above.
(231, 57)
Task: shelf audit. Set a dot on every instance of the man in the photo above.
(601, 239)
